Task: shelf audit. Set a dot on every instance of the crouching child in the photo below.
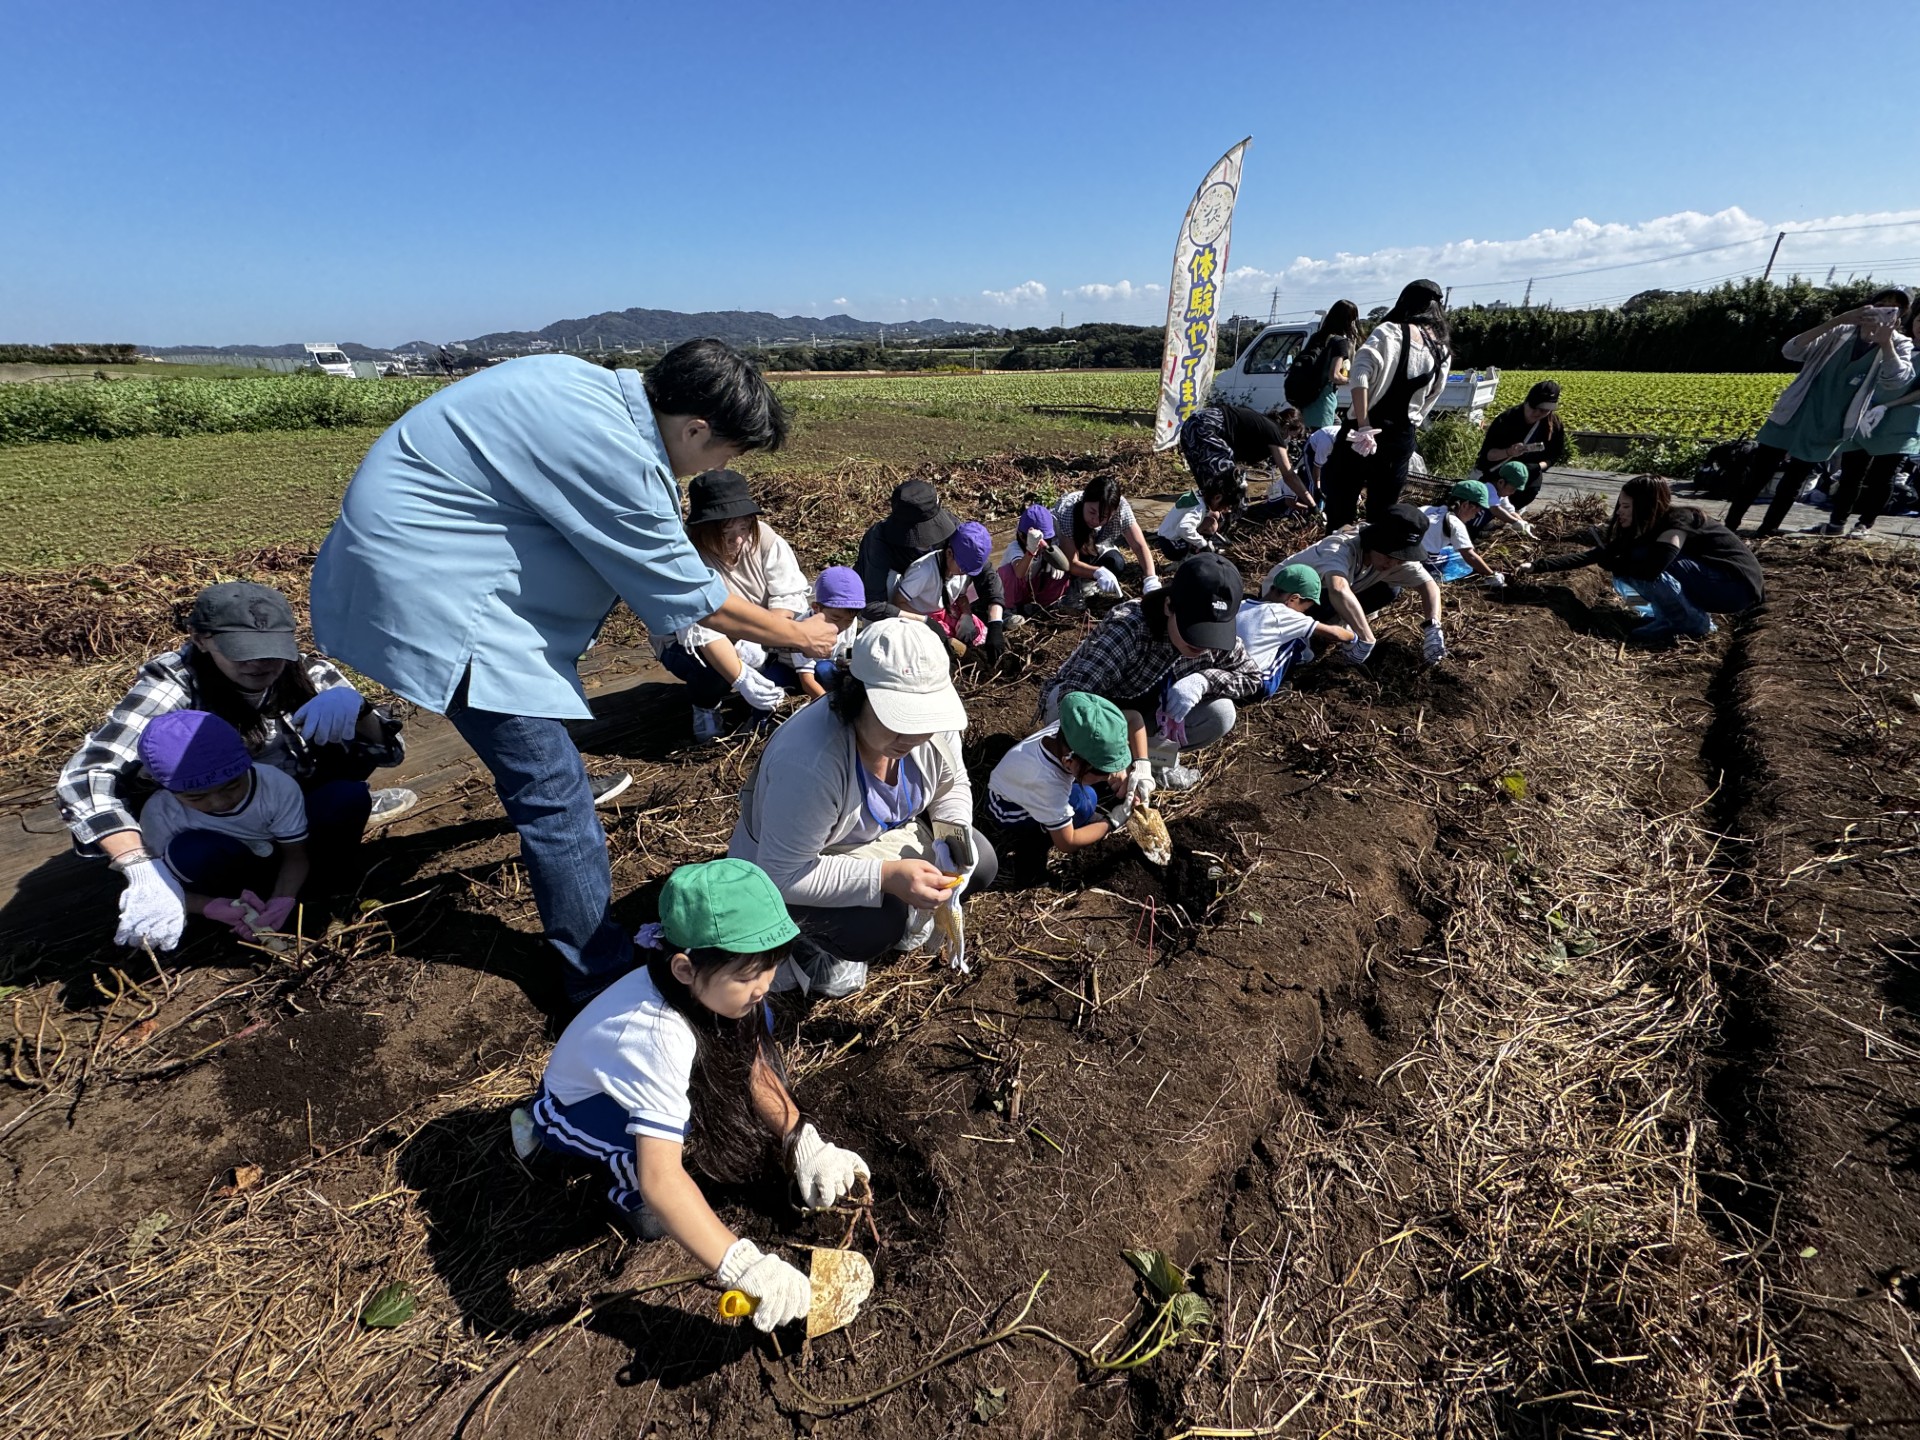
(674, 1063)
(1197, 518)
(1045, 792)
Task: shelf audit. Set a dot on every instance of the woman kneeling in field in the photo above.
(676, 1060)
(297, 714)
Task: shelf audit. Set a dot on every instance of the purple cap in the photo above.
(971, 546)
(192, 750)
(839, 588)
(1035, 517)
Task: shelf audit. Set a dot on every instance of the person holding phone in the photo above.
(1841, 365)
(1529, 434)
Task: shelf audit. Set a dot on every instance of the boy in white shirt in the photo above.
(1448, 542)
(1042, 794)
(1503, 482)
(957, 589)
(219, 821)
(1193, 524)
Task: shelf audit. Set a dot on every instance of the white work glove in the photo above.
(825, 1173)
(1433, 648)
(1364, 441)
(1526, 527)
(153, 907)
(330, 717)
(1140, 787)
(1870, 421)
(1496, 581)
(758, 691)
(752, 653)
(1119, 813)
(1106, 582)
(1183, 695)
(1150, 584)
(780, 1293)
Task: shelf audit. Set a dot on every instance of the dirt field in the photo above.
(1522, 1047)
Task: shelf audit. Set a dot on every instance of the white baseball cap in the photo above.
(904, 667)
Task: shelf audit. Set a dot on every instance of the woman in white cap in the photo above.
(296, 713)
(861, 811)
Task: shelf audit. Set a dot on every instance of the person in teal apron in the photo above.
(1840, 362)
(1888, 432)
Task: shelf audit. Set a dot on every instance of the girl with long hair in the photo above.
(1674, 563)
(1397, 378)
(674, 1064)
(1328, 354)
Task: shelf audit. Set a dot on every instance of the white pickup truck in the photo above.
(329, 359)
(1258, 378)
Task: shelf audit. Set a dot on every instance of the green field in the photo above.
(1628, 402)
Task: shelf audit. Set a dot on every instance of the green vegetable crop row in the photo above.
(113, 410)
(1627, 402)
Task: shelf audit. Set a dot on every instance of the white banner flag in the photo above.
(1193, 299)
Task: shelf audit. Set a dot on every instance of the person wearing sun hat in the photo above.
(916, 523)
(674, 1067)
(1145, 648)
(861, 811)
(957, 591)
(1448, 542)
(1363, 569)
(1045, 792)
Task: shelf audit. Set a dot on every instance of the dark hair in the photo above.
(712, 381)
(848, 700)
(1894, 292)
(1420, 304)
(725, 1135)
(706, 538)
(1342, 318)
(1288, 419)
(1102, 490)
(1226, 486)
(220, 696)
(1653, 505)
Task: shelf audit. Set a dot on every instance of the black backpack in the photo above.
(1306, 377)
(1723, 468)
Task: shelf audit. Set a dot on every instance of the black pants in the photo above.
(1877, 472)
(1760, 467)
(1383, 474)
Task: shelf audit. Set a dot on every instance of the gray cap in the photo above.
(254, 622)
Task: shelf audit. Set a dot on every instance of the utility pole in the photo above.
(1527, 299)
(1446, 300)
(1767, 274)
(1830, 274)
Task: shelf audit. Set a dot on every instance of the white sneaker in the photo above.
(707, 725)
(390, 804)
(1176, 777)
(610, 786)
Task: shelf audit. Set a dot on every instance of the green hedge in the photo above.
(113, 410)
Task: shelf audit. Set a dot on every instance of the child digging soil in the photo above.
(1042, 794)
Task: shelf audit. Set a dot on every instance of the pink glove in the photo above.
(274, 914)
(1172, 729)
(229, 913)
(1363, 441)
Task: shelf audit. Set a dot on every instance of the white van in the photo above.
(1258, 378)
(329, 359)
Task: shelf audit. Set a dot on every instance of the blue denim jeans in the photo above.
(1687, 593)
(542, 784)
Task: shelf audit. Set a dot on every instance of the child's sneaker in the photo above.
(390, 804)
(707, 725)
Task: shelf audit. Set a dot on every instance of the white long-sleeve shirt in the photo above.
(1378, 365)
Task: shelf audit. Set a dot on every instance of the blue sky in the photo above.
(182, 172)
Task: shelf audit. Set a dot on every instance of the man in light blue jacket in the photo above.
(483, 541)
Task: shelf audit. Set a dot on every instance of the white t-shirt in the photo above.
(1182, 522)
(631, 1045)
(1444, 528)
(274, 813)
(1268, 629)
(1320, 443)
(1029, 784)
(927, 588)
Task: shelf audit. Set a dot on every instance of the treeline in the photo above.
(69, 354)
(1076, 347)
(1733, 327)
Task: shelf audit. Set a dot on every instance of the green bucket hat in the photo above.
(724, 905)
(1301, 580)
(1471, 490)
(1096, 731)
(1514, 473)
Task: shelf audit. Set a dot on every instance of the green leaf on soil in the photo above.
(1809, 1252)
(391, 1306)
(1256, 917)
(1163, 1277)
(989, 1403)
(146, 1232)
(1556, 920)
(1190, 1312)
(1515, 784)
(1581, 943)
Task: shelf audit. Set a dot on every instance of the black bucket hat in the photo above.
(1397, 534)
(917, 520)
(1544, 392)
(719, 495)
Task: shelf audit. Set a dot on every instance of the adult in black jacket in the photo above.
(1530, 433)
(1673, 559)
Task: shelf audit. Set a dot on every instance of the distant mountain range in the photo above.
(634, 329)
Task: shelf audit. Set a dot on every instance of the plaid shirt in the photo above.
(104, 777)
(1123, 661)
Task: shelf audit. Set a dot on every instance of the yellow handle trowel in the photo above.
(842, 1280)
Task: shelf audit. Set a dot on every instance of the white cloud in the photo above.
(1119, 293)
(842, 302)
(1589, 261)
(1028, 292)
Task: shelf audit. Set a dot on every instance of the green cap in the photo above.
(1471, 490)
(1096, 731)
(1514, 473)
(1302, 580)
(724, 905)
